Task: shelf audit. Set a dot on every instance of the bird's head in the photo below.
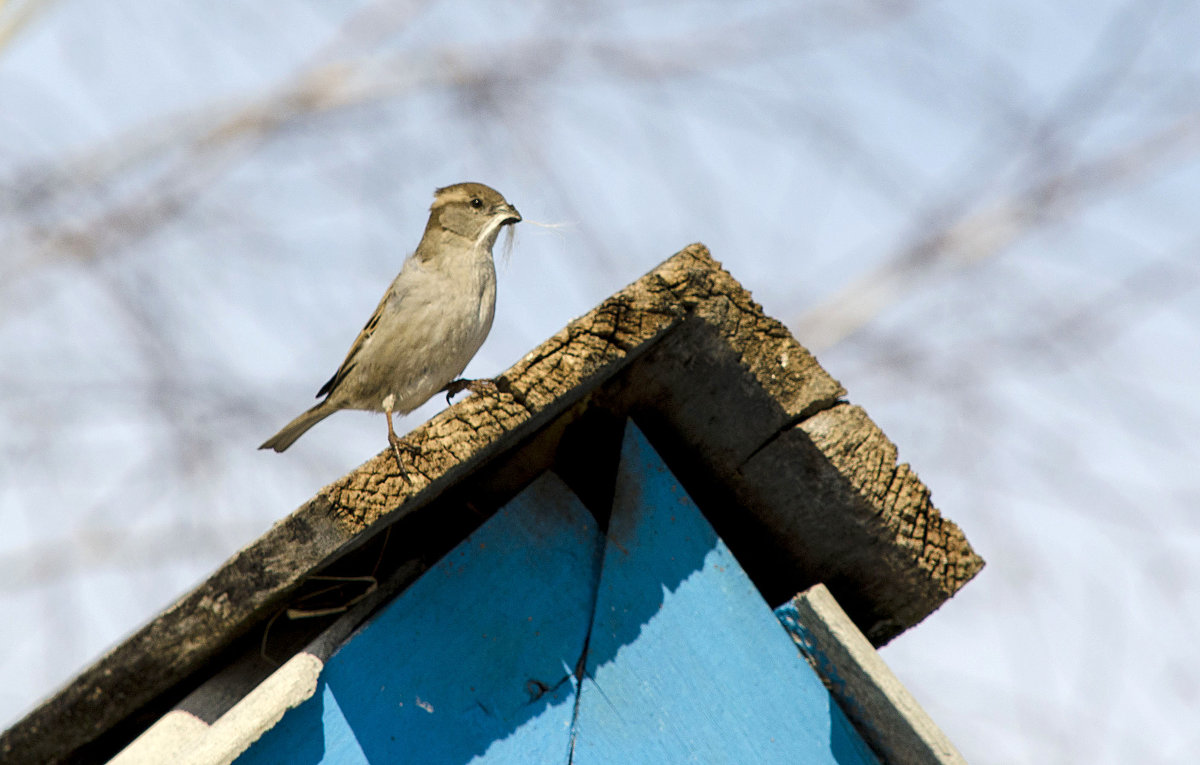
(472, 211)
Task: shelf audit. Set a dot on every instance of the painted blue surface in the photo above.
(447, 673)
(685, 661)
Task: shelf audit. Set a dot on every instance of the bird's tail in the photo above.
(297, 427)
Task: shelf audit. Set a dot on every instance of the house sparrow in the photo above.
(430, 322)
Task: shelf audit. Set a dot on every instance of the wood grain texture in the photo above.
(866, 459)
(887, 554)
(689, 354)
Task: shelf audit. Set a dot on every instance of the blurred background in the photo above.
(980, 217)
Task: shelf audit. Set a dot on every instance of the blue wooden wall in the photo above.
(679, 657)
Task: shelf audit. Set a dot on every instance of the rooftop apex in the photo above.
(802, 486)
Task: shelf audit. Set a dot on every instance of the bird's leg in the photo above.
(397, 445)
(454, 387)
(394, 441)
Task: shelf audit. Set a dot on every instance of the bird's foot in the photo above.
(454, 387)
(397, 447)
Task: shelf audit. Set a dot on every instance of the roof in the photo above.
(798, 481)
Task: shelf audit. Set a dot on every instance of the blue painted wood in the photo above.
(686, 662)
(473, 662)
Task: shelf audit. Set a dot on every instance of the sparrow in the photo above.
(430, 322)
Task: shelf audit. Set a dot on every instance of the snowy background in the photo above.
(981, 217)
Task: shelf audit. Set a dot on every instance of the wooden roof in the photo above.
(802, 486)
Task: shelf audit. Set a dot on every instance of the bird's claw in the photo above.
(397, 447)
(454, 387)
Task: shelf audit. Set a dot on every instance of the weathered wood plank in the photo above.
(686, 662)
(882, 709)
(887, 553)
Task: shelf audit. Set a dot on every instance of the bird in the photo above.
(430, 322)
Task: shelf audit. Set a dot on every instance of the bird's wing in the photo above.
(359, 342)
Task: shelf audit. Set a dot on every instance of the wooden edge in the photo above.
(164, 741)
(287, 687)
(887, 553)
(867, 459)
(181, 737)
(882, 709)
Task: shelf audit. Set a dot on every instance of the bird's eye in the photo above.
(476, 202)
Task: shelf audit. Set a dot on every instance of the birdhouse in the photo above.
(667, 538)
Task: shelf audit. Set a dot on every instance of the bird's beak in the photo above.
(509, 212)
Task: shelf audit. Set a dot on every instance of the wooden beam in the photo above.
(882, 709)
